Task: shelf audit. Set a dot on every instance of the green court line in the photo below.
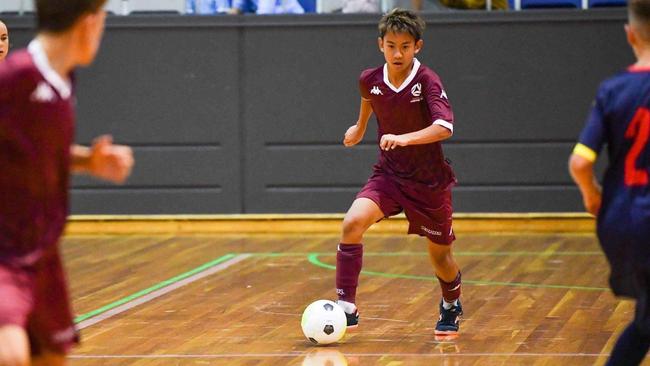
(153, 288)
(313, 259)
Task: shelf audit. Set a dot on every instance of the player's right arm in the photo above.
(103, 160)
(582, 170)
(585, 153)
(355, 133)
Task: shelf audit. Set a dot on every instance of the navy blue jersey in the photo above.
(620, 120)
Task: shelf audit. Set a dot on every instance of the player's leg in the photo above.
(49, 359)
(362, 214)
(430, 215)
(51, 327)
(349, 257)
(443, 262)
(14, 346)
(15, 304)
(631, 347)
(449, 277)
(633, 344)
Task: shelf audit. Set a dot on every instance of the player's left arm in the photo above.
(426, 135)
(441, 115)
(103, 160)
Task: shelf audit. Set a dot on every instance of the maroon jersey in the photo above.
(419, 102)
(36, 131)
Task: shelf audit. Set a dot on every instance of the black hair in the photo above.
(57, 16)
(402, 21)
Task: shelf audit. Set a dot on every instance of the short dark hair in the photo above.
(639, 17)
(401, 21)
(59, 15)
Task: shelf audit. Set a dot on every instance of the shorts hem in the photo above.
(436, 239)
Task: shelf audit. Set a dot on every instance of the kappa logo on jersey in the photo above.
(43, 93)
(443, 95)
(376, 91)
(416, 90)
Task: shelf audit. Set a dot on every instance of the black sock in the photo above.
(631, 347)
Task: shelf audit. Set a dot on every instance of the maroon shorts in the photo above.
(427, 210)
(36, 299)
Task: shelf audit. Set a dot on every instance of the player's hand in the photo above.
(592, 202)
(390, 142)
(352, 136)
(110, 162)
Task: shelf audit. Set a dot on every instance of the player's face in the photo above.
(399, 49)
(92, 29)
(4, 41)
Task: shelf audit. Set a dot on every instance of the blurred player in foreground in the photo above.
(37, 118)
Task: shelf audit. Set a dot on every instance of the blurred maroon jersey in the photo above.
(36, 131)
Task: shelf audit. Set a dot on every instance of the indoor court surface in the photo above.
(529, 299)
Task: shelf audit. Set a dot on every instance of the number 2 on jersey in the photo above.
(639, 130)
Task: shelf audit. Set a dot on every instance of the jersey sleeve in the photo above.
(592, 137)
(363, 86)
(438, 103)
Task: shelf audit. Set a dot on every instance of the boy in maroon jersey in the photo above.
(412, 175)
(4, 41)
(36, 156)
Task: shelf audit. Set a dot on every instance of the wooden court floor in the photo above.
(529, 299)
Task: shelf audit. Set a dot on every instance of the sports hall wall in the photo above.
(247, 114)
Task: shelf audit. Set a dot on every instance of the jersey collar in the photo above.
(416, 67)
(39, 57)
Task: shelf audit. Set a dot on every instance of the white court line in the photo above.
(160, 292)
(287, 355)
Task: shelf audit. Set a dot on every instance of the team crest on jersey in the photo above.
(43, 93)
(416, 90)
(376, 91)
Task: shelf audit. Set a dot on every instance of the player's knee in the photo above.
(14, 347)
(14, 358)
(440, 260)
(440, 254)
(354, 225)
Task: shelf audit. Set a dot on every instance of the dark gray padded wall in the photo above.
(247, 114)
(178, 107)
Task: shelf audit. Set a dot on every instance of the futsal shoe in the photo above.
(449, 320)
(352, 318)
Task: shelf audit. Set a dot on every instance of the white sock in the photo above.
(348, 307)
(448, 305)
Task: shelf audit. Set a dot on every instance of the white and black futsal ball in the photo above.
(323, 322)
